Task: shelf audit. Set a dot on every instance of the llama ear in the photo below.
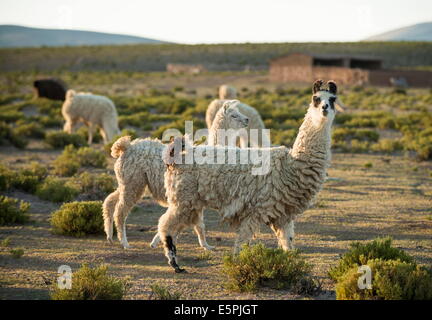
(332, 87)
(340, 106)
(317, 86)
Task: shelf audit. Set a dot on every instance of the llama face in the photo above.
(235, 119)
(322, 107)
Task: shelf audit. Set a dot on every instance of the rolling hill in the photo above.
(12, 36)
(417, 32)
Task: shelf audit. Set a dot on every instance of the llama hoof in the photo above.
(126, 246)
(180, 270)
(153, 245)
(209, 248)
(110, 241)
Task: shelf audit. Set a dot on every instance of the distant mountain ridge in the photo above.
(416, 32)
(13, 36)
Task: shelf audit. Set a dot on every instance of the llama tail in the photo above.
(70, 94)
(120, 146)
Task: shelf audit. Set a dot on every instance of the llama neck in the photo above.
(219, 122)
(313, 142)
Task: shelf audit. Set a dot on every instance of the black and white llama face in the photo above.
(323, 104)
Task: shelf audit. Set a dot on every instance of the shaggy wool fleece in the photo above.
(255, 122)
(92, 110)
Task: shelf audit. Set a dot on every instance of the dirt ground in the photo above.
(358, 202)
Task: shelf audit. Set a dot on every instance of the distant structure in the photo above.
(350, 70)
(54, 89)
(178, 68)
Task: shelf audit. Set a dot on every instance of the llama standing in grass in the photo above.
(94, 111)
(227, 92)
(246, 200)
(255, 122)
(139, 165)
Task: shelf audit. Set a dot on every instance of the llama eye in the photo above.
(316, 100)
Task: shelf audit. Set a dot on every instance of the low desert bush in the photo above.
(360, 253)
(17, 252)
(94, 186)
(13, 211)
(30, 130)
(89, 157)
(7, 134)
(91, 284)
(29, 178)
(71, 159)
(257, 266)
(387, 146)
(78, 219)
(159, 292)
(56, 190)
(61, 139)
(391, 280)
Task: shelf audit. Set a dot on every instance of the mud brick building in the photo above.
(349, 70)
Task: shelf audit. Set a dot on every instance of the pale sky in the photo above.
(222, 21)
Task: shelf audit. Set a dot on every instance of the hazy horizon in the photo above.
(194, 21)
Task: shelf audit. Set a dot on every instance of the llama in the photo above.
(227, 92)
(94, 111)
(139, 165)
(255, 122)
(245, 200)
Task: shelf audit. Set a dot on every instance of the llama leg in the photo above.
(67, 127)
(155, 241)
(104, 136)
(200, 231)
(90, 133)
(108, 207)
(285, 235)
(244, 235)
(168, 228)
(127, 199)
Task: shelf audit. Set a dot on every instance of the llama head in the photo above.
(233, 117)
(323, 106)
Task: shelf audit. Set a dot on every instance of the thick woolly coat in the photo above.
(92, 110)
(296, 176)
(255, 120)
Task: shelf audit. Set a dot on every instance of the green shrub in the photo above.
(359, 254)
(258, 266)
(61, 139)
(7, 134)
(55, 190)
(387, 146)
(13, 211)
(6, 178)
(17, 253)
(160, 292)
(5, 242)
(391, 280)
(30, 130)
(95, 186)
(29, 178)
(71, 159)
(78, 219)
(89, 157)
(91, 284)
